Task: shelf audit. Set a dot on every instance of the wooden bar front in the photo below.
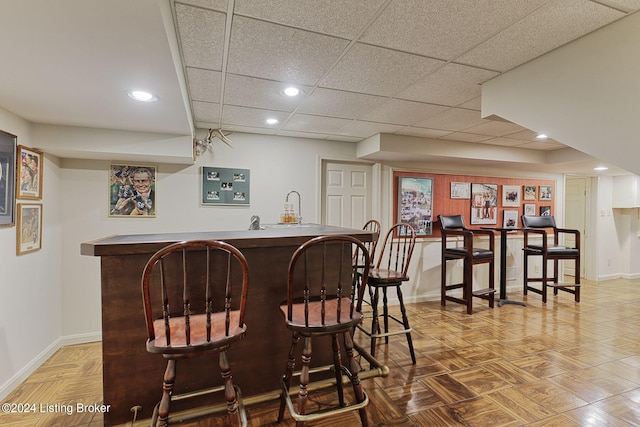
(133, 377)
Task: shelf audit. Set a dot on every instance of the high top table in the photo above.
(504, 231)
(133, 377)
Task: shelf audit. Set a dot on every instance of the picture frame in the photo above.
(132, 191)
(546, 193)
(29, 228)
(510, 218)
(511, 195)
(225, 186)
(460, 190)
(484, 203)
(545, 210)
(530, 209)
(415, 203)
(29, 173)
(8, 144)
(529, 192)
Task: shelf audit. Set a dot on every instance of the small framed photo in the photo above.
(460, 190)
(511, 195)
(510, 219)
(132, 190)
(484, 203)
(530, 209)
(529, 192)
(7, 179)
(29, 173)
(545, 210)
(29, 229)
(546, 192)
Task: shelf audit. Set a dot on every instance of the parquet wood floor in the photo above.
(559, 364)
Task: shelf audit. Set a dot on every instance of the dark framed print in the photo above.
(29, 173)
(484, 203)
(225, 186)
(415, 203)
(7, 179)
(29, 229)
(545, 210)
(132, 190)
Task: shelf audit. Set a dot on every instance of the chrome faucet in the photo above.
(299, 217)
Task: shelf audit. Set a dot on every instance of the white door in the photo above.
(576, 218)
(346, 193)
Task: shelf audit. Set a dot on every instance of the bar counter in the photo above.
(133, 377)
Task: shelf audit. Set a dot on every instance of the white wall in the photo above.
(30, 284)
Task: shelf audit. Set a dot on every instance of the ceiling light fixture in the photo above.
(292, 91)
(272, 121)
(141, 95)
(600, 168)
(541, 136)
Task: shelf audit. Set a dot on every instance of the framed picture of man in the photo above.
(29, 173)
(132, 190)
(29, 229)
(7, 178)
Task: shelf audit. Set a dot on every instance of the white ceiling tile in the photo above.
(315, 124)
(549, 27)
(335, 103)
(378, 71)
(249, 129)
(502, 141)
(362, 129)
(337, 18)
(451, 85)
(276, 52)
(260, 93)
(443, 29)
(401, 112)
(474, 104)
(495, 128)
(219, 5)
(201, 35)
(297, 134)
(453, 119)
(423, 132)
(542, 145)
(524, 135)
(204, 85)
(254, 117)
(627, 5)
(206, 111)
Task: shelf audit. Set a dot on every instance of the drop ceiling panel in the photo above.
(423, 132)
(466, 137)
(401, 112)
(367, 129)
(494, 128)
(206, 111)
(259, 93)
(378, 71)
(453, 119)
(219, 5)
(253, 117)
(204, 85)
(451, 85)
(201, 33)
(348, 105)
(315, 124)
(549, 27)
(444, 29)
(338, 18)
(276, 52)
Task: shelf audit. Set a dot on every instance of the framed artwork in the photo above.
(530, 209)
(484, 203)
(511, 195)
(529, 192)
(132, 190)
(29, 229)
(415, 203)
(460, 190)
(225, 186)
(546, 192)
(29, 173)
(545, 210)
(7, 179)
(510, 219)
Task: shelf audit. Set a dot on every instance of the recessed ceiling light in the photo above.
(541, 136)
(292, 91)
(600, 168)
(272, 121)
(140, 95)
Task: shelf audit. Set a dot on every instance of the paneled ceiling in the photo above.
(408, 67)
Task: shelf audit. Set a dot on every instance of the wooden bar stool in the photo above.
(323, 300)
(391, 270)
(194, 295)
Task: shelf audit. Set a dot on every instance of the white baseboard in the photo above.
(45, 354)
